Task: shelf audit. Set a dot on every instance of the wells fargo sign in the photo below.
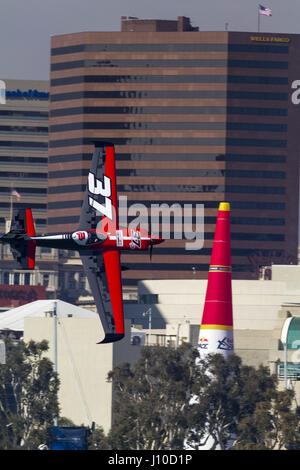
(276, 39)
(14, 296)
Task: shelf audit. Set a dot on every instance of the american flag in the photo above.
(265, 11)
(15, 193)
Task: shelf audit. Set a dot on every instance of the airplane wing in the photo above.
(103, 271)
(99, 209)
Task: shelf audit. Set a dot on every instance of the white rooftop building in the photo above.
(255, 303)
(13, 319)
(85, 396)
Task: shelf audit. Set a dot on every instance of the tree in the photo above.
(213, 415)
(240, 407)
(97, 439)
(274, 424)
(151, 399)
(167, 400)
(28, 396)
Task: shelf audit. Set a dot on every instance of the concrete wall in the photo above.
(85, 395)
(255, 303)
(252, 346)
(259, 311)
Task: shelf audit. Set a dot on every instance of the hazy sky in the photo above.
(26, 26)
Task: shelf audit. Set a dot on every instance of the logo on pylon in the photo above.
(226, 344)
(203, 343)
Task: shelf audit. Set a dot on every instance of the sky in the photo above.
(26, 26)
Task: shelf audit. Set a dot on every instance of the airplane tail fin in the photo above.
(22, 247)
(22, 223)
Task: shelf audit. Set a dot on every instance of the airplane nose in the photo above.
(154, 241)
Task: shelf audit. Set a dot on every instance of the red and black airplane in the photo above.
(98, 239)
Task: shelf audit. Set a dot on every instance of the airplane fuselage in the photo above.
(122, 239)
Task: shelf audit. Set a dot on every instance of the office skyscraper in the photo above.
(24, 106)
(196, 117)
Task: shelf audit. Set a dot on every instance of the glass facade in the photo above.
(201, 119)
(23, 154)
(253, 111)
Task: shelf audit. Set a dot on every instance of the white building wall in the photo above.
(84, 395)
(255, 303)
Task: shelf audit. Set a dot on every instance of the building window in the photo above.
(71, 281)
(45, 280)
(260, 64)
(150, 48)
(148, 299)
(61, 280)
(45, 249)
(157, 63)
(81, 283)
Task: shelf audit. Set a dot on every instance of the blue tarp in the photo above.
(69, 438)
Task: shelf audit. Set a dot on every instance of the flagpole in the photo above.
(11, 203)
(10, 209)
(258, 20)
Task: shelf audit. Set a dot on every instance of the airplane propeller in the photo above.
(150, 251)
(154, 241)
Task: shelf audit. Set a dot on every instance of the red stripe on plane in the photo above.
(31, 254)
(113, 274)
(31, 244)
(29, 223)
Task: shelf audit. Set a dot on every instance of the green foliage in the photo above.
(28, 396)
(241, 407)
(151, 399)
(214, 413)
(274, 424)
(97, 440)
(167, 400)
